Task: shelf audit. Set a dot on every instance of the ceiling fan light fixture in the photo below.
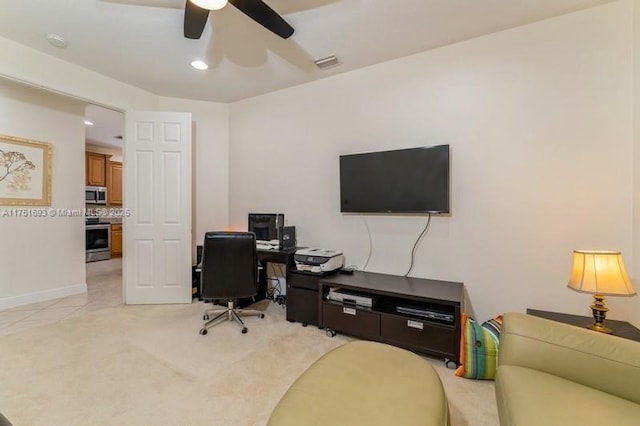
(210, 4)
(199, 65)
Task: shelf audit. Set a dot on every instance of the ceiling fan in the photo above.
(196, 13)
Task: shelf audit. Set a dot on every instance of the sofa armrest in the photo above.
(608, 363)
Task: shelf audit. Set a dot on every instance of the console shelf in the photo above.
(438, 335)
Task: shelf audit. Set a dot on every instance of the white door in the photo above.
(157, 193)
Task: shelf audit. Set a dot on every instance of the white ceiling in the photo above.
(140, 42)
(107, 128)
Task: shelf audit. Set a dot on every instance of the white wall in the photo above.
(539, 121)
(635, 261)
(552, 99)
(37, 271)
(43, 258)
(210, 165)
(210, 133)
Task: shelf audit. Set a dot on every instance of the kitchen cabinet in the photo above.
(114, 183)
(96, 166)
(116, 239)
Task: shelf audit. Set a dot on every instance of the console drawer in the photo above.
(350, 320)
(302, 305)
(416, 332)
(296, 279)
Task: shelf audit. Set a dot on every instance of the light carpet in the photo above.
(147, 365)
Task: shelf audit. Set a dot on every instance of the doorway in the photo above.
(104, 130)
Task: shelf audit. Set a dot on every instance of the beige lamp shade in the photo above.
(210, 4)
(600, 272)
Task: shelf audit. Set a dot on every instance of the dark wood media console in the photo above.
(382, 322)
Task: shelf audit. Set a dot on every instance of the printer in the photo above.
(318, 260)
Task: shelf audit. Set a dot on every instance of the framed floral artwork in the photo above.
(25, 172)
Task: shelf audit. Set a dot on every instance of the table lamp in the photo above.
(601, 273)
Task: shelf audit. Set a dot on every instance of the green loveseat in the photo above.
(551, 373)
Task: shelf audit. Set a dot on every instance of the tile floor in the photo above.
(104, 289)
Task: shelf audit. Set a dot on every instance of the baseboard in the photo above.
(41, 296)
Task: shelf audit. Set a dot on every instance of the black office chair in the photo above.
(229, 271)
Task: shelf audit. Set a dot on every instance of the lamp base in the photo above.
(599, 327)
(599, 311)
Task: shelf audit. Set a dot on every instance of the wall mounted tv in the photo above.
(414, 180)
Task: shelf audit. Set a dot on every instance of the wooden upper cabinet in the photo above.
(101, 171)
(114, 183)
(96, 169)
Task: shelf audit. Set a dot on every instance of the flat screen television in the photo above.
(414, 180)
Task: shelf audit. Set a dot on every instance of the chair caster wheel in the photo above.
(330, 332)
(451, 364)
(304, 324)
(205, 317)
(203, 331)
(261, 316)
(244, 330)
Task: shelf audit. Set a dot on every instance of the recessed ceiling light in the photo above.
(199, 65)
(56, 40)
(88, 123)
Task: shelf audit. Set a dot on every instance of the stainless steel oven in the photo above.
(98, 240)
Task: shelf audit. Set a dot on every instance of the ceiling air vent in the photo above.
(329, 61)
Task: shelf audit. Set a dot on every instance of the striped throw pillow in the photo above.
(479, 348)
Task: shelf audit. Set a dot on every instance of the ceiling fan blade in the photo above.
(195, 18)
(265, 16)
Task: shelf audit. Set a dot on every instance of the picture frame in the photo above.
(25, 172)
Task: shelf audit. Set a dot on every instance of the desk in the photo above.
(620, 328)
(284, 256)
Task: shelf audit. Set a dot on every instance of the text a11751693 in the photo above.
(63, 212)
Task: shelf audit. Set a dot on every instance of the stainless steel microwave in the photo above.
(95, 195)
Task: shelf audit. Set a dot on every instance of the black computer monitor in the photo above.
(266, 226)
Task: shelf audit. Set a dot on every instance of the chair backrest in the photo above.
(229, 265)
